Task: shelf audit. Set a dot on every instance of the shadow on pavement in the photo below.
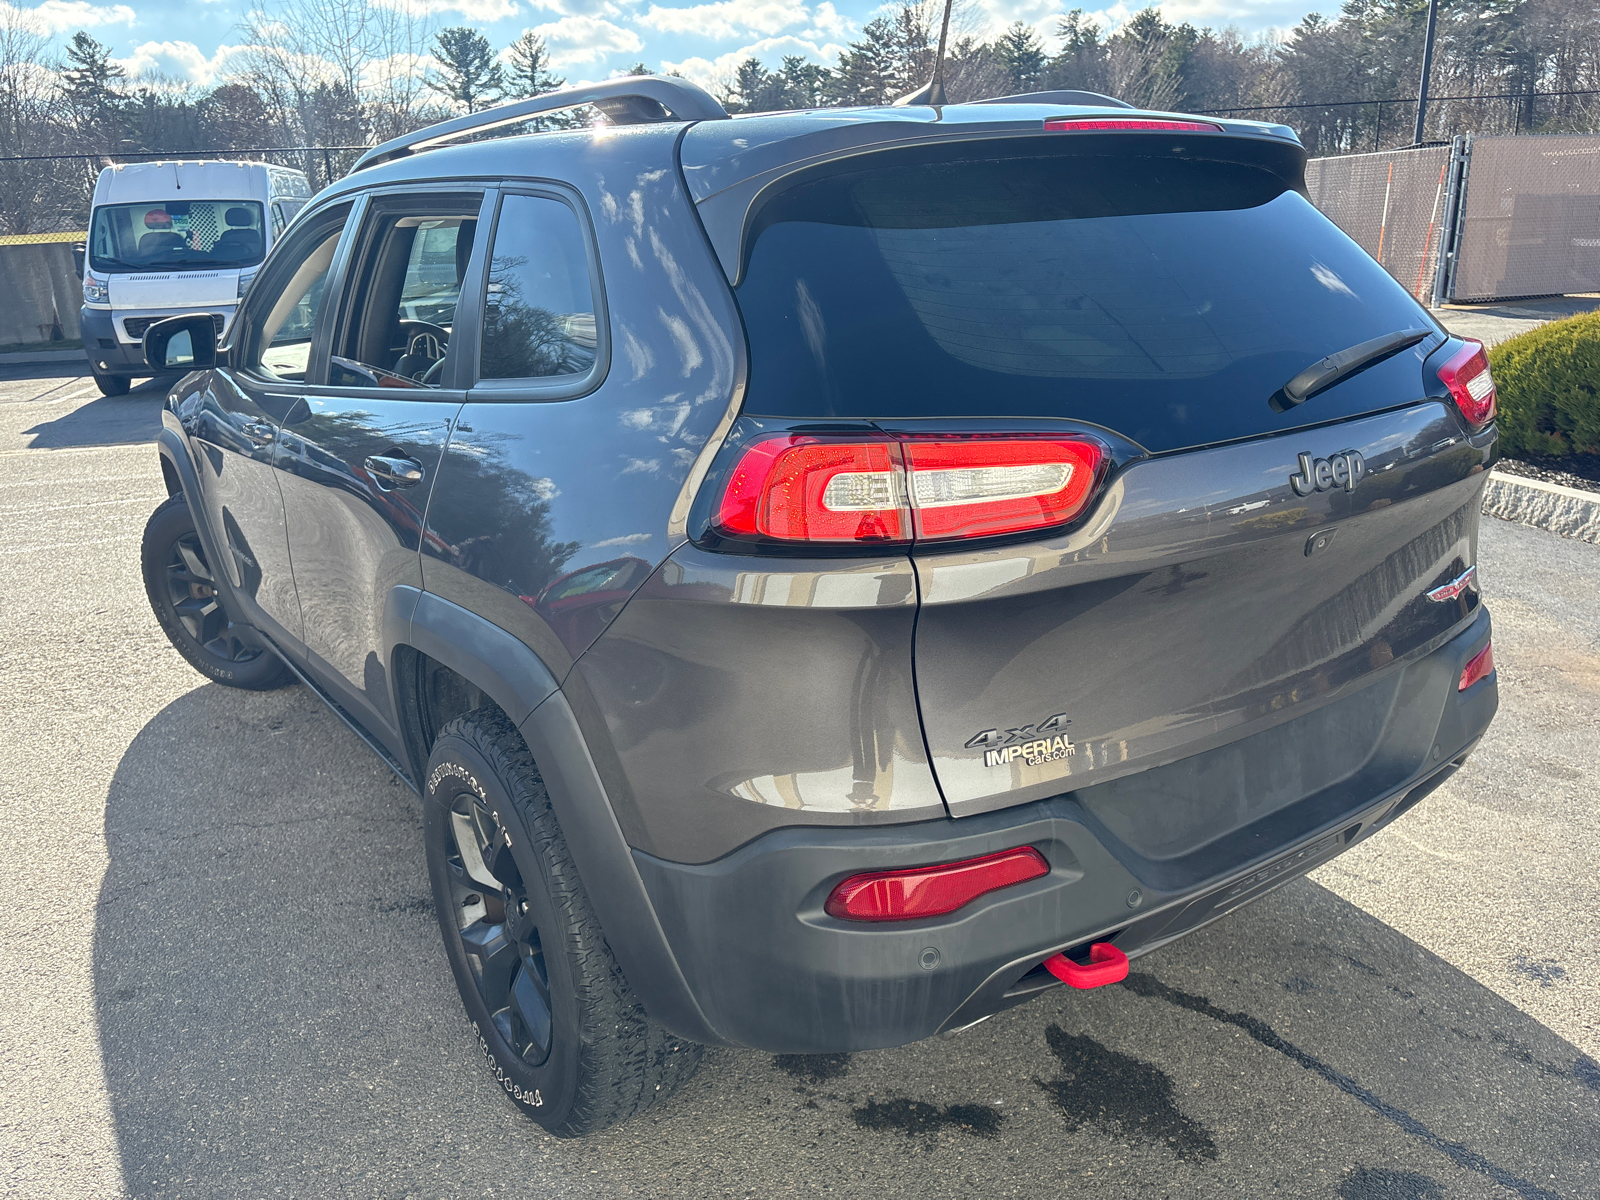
(276, 1016)
(103, 421)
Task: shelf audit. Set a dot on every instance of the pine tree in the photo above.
(528, 70)
(469, 73)
(1022, 54)
(92, 83)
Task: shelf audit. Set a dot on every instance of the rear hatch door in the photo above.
(1157, 290)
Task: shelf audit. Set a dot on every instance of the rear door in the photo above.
(358, 458)
(1152, 294)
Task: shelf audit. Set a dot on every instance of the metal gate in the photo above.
(1529, 218)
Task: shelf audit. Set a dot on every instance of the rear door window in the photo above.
(1165, 297)
(539, 312)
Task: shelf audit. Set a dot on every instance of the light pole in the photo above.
(1427, 67)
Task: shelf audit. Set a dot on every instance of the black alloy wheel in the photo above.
(192, 592)
(555, 1022)
(498, 928)
(186, 599)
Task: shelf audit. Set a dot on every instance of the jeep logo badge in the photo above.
(1345, 469)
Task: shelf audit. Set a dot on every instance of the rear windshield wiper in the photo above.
(1326, 372)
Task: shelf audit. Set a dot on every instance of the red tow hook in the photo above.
(1106, 965)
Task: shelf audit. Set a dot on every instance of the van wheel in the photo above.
(183, 594)
(555, 1021)
(112, 385)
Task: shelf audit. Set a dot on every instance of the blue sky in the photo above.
(591, 39)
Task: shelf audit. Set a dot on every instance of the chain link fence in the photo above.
(1485, 218)
(1390, 204)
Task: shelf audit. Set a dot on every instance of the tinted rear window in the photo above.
(1164, 298)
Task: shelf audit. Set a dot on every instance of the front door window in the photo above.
(396, 332)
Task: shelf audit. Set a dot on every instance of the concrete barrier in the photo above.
(39, 291)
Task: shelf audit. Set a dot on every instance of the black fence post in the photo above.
(1455, 199)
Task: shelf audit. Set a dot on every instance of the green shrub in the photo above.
(1547, 384)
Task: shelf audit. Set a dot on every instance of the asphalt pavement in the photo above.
(220, 975)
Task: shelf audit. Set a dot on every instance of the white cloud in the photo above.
(710, 73)
(584, 8)
(58, 16)
(728, 18)
(586, 39)
(481, 11)
(827, 20)
(180, 60)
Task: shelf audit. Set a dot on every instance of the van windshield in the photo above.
(1162, 297)
(169, 235)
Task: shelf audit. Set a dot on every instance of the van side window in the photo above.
(285, 307)
(401, 311)
(539, 311)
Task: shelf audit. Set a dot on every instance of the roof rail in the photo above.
(1088, 99)
(630, 100)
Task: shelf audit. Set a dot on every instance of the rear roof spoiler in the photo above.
(1068, 96)
(631, 100)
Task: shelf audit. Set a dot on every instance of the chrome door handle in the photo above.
(394, 472)
(259, 432)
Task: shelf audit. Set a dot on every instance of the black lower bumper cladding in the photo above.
(771, 970)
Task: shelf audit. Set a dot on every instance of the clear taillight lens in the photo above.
(815, 489)
(971, 488)
(1467, 376)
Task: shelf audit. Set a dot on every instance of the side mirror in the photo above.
(186, 343)
(78, 251)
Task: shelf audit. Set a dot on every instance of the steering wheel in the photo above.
(430, 377)
(411, 328)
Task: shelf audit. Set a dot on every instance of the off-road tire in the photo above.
(220, 648)
(112, 385)
(604, 1060)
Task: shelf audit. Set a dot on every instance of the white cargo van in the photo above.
(175, 237)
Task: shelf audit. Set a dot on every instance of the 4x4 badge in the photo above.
(1039, 743)
(1345, 469)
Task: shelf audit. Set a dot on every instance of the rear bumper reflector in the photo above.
(1480, 667)
(920, 892)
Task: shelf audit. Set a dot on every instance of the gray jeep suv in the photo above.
(832, 576)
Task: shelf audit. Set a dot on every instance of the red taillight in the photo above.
(932, 891)
(1467, 376)
(1481, 667)
(812, 489)
(1118, 124)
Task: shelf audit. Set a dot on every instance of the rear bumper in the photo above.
(771, 970)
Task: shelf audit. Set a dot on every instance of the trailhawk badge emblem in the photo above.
(1345, 469)
(1034, 744)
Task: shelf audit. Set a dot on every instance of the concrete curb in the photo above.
(41, 356)
(1563, 510)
